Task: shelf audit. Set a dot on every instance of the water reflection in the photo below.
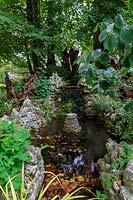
(94, 137)
(78, 153)
(74, 164)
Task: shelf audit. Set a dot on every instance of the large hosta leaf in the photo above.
(103, 58)
(96, 54)
(110, 28)
(126, 35)
(102, 36)
(119, 22)
(90, 75)
(110, 42)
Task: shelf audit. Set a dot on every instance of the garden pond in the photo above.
(72, 157)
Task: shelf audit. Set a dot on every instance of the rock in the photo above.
(50, 100)
(107, 158)
(114, 150)
(35, 171)
(117, 191)
(5, 117)
(103, 165)
(71, 124)
(112, 194)
(125, 194)
(116, 187)
(13, 75)
(29, 116)
(128, 176)
(56, 82)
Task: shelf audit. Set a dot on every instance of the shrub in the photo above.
(13, 140)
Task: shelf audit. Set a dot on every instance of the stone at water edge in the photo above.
(71, 124)
(128, 176)
(35, 170)
(123, 191)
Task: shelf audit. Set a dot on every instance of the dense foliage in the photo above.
(13, 140)
(118, 115)
(37, 34)
(110, 66)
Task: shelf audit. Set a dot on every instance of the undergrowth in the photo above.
(117, 114)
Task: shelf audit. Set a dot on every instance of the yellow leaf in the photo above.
(72, 180)
(80, 178)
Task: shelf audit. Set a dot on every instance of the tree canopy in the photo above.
(46, 34)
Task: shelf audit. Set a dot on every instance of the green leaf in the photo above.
(100, 71)
(103, 58)
(90, 75)
(95, 55)
(114, 166)
(119, 22)
(100, 195)
(126, 35)
(124, 71)
(108, 74)
(116, 31)
(102, 36)
(104, 84)
(127, 50)
(130, 3)
(131, 58)
(102, 26)
(99, 55)
(110, 42)
(110, 28)
(82, 68)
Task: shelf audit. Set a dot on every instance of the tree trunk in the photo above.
(51, 24)
(9, 88)
(33, 17)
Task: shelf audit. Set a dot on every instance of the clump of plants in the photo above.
(5, 106)
(46, 111)
(37, 90)
(120, 121)
(41, 88)
(13, 140)
(125, 156)
(117, 114)
(119, 164)
(23, 194)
